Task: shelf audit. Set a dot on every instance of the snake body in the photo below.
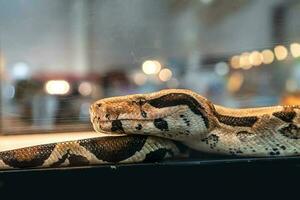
(151, 127)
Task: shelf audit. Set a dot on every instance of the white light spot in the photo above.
(256, 58)
(58, 87)
(165, 75)
(221, 68)
(245, 61)
(281, 52)
(235, 62)
(85, 88)
(151, 67)
(268, 56)
(295, 50)
(20, 71)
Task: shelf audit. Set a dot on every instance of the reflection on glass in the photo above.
(281, 52)
(295, 50)
(165, 74)
(245, 61)
(58, 87)
(57, 57)
(235, 82)
(235, 62)
(85, 88)
(268, 56)
(151, 67)
(255, 58)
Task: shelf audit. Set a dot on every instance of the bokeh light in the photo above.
(281, 52)
(245, 61)
(57, 87)
(165, 75)
(255, 58)
(235, 62)
(85, 88)
(20, 71)
(235, 82)
(295, 50)
(151, 67)
(268, 56)
(221, 68)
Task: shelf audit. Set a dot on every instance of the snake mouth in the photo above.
(102, 131)
(121, 126)
(126, 119)
(98, 119)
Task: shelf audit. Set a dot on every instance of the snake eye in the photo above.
(141, 101)
(99, 105)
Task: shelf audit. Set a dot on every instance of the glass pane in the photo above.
(58, 56)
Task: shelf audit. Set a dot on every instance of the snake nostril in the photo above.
(107, 116)
(99, 105)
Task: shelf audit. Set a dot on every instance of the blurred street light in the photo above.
(268, 56)
(151, 67)
(85, 88)
(295, 50)
(280, 52)
(57, 87)
(255, 58)
(165, 75)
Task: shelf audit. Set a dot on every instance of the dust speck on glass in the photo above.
(59, 56)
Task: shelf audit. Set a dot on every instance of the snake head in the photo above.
(173, 114)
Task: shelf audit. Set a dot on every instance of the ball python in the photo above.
(155, 126)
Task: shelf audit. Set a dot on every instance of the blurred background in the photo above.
(58, 56)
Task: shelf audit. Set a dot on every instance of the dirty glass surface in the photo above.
(58, 56)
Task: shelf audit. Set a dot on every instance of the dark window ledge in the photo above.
(175, 176)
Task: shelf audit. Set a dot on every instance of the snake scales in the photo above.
(152, 127)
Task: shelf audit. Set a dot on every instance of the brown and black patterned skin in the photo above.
(185, 116)
(102, 150)
(148, 128)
